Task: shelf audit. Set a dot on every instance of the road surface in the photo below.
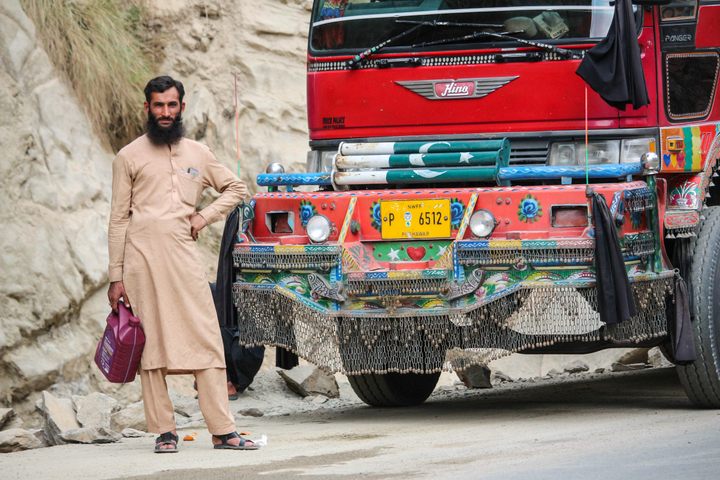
(632, 425)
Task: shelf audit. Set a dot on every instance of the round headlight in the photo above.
(650, 162)
(275, 167)
(482, 223)
(318, 228)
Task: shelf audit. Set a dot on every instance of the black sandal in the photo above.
(165, 439)
(245, 444)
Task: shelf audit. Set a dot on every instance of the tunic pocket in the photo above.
(190, 188)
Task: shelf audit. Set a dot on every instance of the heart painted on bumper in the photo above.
(416, 253)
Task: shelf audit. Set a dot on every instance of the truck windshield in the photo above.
(359, 24)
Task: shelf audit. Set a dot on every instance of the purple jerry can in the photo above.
(120, 348)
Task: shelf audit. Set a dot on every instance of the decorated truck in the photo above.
(489, 177)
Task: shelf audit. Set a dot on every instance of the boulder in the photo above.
(307, 380)
(8, 419)
(498, 376)
(636, 355)
(185, 406)
(94, 410)
(132, 416)
(251, 412)
(621, 367)
(59, 417)
(475, 376)
(17, 439)
(657, 359)
(132, 433)
(576, 366)
(90, 435)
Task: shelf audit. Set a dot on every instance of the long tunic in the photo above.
(155, 190)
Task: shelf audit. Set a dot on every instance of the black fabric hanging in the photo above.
(227, 314)
(615, 299)
(680, 326)
(242, 362)
(613, 67)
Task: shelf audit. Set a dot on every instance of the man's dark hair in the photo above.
(162, 83)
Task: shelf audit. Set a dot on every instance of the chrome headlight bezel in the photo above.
(601, 151)
(318, 228)
(320, 160)
(572, 153)
(482, 223)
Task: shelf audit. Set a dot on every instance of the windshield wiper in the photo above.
(562, 52)
(361, 57)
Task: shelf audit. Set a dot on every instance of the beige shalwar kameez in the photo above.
(155, 190)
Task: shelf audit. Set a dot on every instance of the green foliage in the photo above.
(96, 44)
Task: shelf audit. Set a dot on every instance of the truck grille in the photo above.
(529, 152)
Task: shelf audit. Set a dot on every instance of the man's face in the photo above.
(165, 107)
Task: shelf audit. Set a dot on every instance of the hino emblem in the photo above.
(456, 89)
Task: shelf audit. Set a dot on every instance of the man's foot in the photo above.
(233, 441)
(166, 443)
(232, 391)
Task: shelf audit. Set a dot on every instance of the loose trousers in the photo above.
(212, 396)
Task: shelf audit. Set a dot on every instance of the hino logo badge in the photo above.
(456, 89)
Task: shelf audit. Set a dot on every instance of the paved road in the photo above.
(635, 425)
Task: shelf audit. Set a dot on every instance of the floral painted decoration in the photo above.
(456, 212)
(376, 221)
(530, 210)
(685, 195)
(307, 210)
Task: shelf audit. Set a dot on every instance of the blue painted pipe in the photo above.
(504, 175)
(542, 172)
(277, 179)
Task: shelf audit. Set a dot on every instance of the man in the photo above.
(155, 265)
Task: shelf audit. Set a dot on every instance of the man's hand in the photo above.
(115, 293)
(197, 223)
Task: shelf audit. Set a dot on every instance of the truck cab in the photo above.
(454, 192)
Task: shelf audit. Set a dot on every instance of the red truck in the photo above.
(467, 191)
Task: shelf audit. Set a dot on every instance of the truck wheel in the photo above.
(701, 379)
(394, 389)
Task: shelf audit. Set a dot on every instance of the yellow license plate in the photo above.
(429, 218)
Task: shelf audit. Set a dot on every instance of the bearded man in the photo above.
(155, 264)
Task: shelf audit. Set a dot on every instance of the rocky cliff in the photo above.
(55, 172)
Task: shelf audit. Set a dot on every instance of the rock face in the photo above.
(214, 43)
(54, 182)
(55, 173)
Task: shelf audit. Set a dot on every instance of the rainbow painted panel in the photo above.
(288, 248)
(683, 149)
(398, 275)
(524, 244)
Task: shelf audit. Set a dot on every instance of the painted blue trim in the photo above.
(262, 248)
(277, 179)
(548, 172)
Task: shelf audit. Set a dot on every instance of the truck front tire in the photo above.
(701, 379)
(394, 389)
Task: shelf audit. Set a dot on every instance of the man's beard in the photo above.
(164, 135)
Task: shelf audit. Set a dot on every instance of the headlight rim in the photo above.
(492, 223)
(314, 219)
